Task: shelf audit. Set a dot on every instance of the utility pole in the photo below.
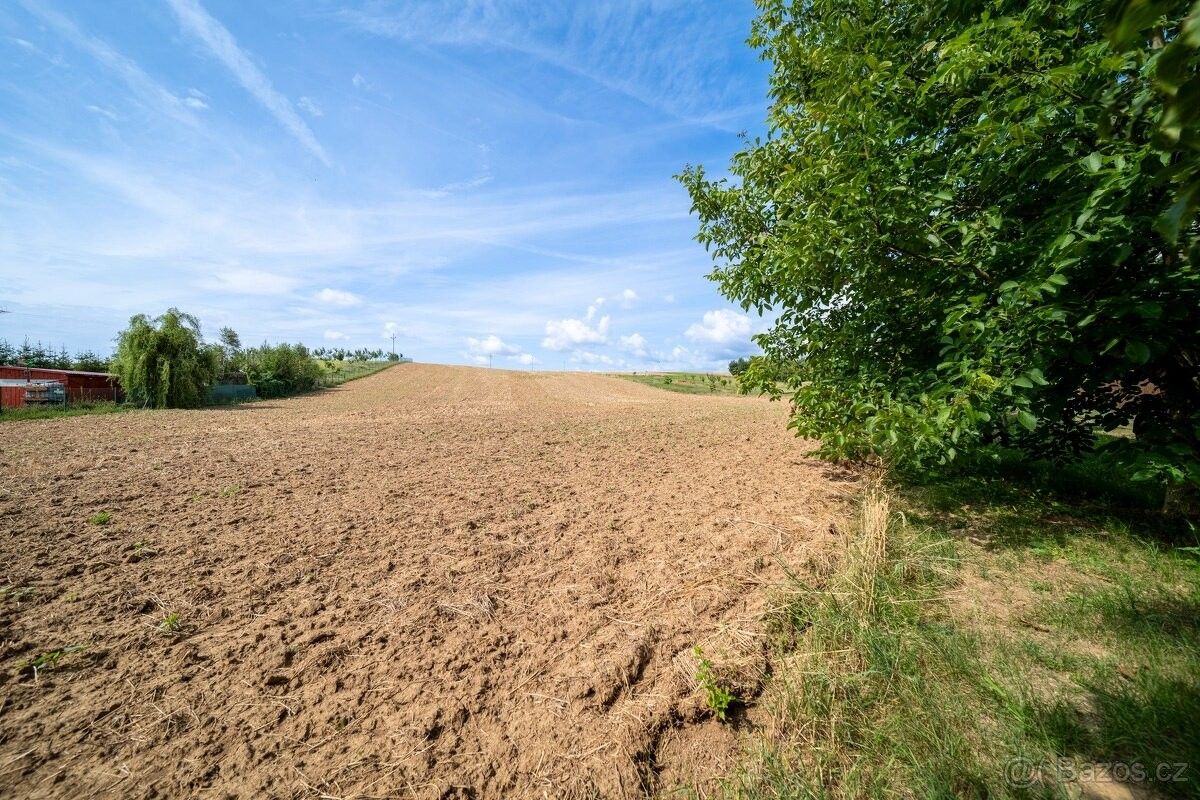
(393, 345)
(489, 360)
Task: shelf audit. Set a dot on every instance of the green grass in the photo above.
(1015, 610)
(100, 518)
(686, 382)
(339, 372)
(16, 593)
(49, 660)
(57, 411)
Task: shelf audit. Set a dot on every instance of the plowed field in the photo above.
(433, 582)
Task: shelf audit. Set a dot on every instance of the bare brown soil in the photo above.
(434, 582)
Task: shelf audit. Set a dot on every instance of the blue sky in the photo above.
(478, 177)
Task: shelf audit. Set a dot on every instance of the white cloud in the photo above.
(490, 346)
(588, 357)
(628, 298)
(337, 297)
(634, 343)
(221, 43)
(310, 107)
(563, 334)
(196, 99)
(251, 281)
(359, 81)
(668, 298)
(481, 351)
(722, 327)
(335, 336)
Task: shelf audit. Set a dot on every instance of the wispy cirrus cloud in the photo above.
(147, 89)
(589, 41)
(310, 107)
(220, 42)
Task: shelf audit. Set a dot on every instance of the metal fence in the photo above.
(231, 392)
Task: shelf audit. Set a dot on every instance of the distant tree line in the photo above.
(165, 362)
(361, 354)
(38, 356)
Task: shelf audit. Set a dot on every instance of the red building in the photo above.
(86, 386)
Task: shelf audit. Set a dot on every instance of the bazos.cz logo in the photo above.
(1023, 773)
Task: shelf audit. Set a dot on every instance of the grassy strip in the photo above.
(57, 411)
(685, 382)
(1005, 636)
(339, 372)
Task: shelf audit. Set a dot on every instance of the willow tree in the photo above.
(163, 362)
(967, 218)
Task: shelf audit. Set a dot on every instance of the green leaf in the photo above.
(1137, 352)
(1027, 420)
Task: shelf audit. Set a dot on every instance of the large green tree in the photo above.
(279, 370)
(967, 218)
(164, 362)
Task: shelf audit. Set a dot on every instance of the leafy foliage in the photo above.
(1176, 80)
(739, 366)
(231, 345)
(963, 215)
(163, 362)
(716, 697)
(278, 370)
